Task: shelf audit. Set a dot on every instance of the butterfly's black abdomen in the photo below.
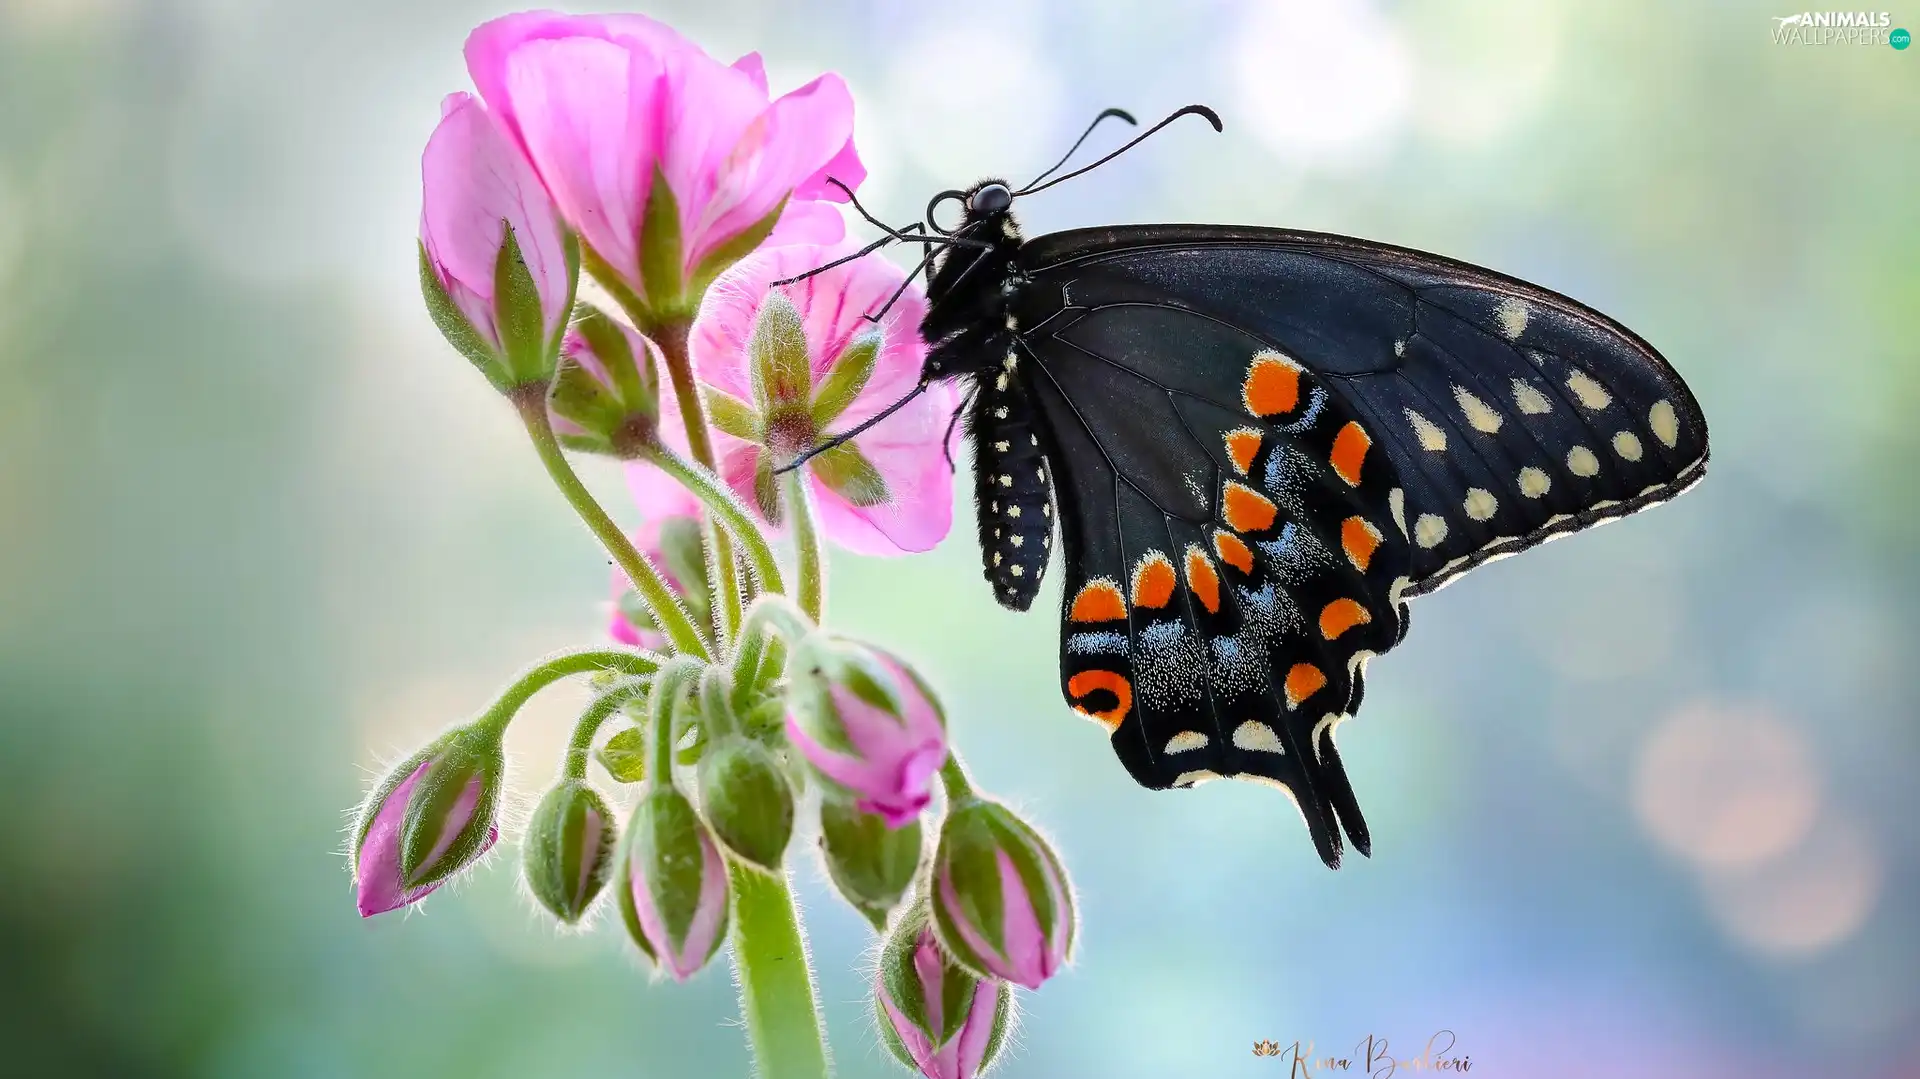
(1013, 493)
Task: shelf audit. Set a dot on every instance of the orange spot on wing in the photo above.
(1153, 581)
(1273, 385)
(1246, 510)
(1243, 445)
(1340, 616)
(1099, 601)
(1233, 552)
(1360, 539)
(1203, 580)
(1303, 681)
(1350, 452)
(1087, 683)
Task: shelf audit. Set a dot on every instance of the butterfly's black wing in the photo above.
(1263, 441)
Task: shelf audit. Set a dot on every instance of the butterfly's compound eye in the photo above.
(990, 199)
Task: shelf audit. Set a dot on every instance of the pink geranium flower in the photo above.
(607, 106)
(478, 193)
(888, 491)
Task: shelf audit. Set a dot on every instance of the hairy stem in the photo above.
(728, 510)
(666, 610)
(671, 336)
(580, 747)
(554, 668)
(776, 981)
(812, 571)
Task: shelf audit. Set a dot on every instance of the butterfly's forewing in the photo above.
(1264, 440)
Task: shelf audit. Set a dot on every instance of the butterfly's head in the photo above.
(986, 207)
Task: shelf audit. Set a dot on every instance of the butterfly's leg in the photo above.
(946, 444)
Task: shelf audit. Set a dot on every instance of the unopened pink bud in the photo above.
(675, 892)
(429, 819)
(938, 1017)
(1002, 904)
(868, 725)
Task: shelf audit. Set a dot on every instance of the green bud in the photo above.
(605, 396)
(870, 864)
(569, 848)
(747, 801)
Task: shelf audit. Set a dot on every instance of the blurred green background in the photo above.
(1643, 802)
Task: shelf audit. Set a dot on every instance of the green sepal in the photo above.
(1003, 1018)
(782, 376)
(891, 1037)
(870, 864)
(734, 416)
(715, 262)
(617, 286)
(845, 379)
(616, 417)
(624, 755)
(967, 858)
(662, 256)
(570, 251)
(453, 325)
(746, 801)
(563, 871)
(516, 308)
(847, 473)
(683, 554)
(766, 490)
(465, 755)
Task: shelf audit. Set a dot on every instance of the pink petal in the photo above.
(376, 870)
(472, 179)
(845, 167)
(1029, 961)
(585, 110)
(970, 1047)
(786, 145)
(754, 68)
(815, 223)
(710, 109)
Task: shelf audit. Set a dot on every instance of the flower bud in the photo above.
(936, 1016)
(1001, 900)
(427, 820)
(870, 863)
(747, 800)
(675, 894)
(867, 724)
(569, 849)
(497, 266)
(606, 393)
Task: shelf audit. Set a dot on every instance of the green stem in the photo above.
(671, 336)
(580, 747)
(664, 702)
(776, 982)
(953, 777)
(715, 709)
(728, 510)
(551, 670)
(806, 538)
(666, 610)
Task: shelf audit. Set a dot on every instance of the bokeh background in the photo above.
(1644, 802)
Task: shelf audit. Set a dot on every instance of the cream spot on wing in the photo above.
(1482, 417)
(1665, 424)
(1431, 437)
(1627, 445)
(1512, 316)
(1582, 462)
(1397, 502)
(1195, 778)
(1400, 347)
(1530, 399)
(1591, 393)
(1480, 504)
(1186, 741)
(1256, 737)
(1533, 482)
(1430, 530)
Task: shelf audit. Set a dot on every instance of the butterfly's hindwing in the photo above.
(1231, 558)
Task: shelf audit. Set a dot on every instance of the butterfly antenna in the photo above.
(1120, 114)
(848, 436)
(1193, 110)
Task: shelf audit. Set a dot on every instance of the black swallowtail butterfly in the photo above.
(1259, 444)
